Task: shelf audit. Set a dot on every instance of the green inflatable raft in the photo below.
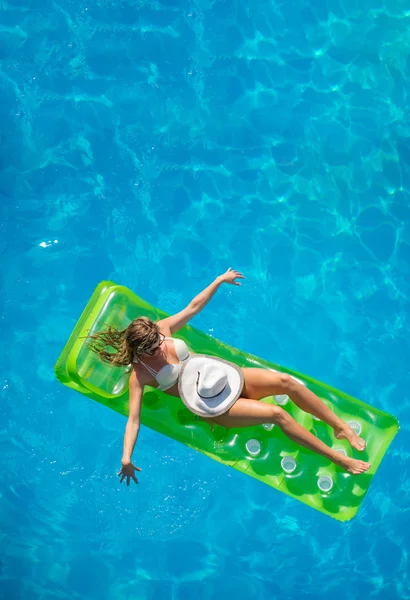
(263, 451)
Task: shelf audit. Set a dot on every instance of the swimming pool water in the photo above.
(157, 144)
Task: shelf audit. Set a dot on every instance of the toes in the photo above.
(364, 466)
(359, 445)
(359, 467)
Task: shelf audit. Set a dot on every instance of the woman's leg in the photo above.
(246, 412)
(260, 383)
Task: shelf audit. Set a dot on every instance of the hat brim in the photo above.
(209, 407)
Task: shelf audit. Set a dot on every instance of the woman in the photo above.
(157, 360)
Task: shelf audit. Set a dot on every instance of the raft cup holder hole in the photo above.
(325, 483)
(268, 426)
(281, 399)
(253, 447)
(288, 464)
(356, 426)
(341, 451)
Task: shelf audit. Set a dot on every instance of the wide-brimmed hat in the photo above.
(209, 386)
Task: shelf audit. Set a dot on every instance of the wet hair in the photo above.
(121, 347)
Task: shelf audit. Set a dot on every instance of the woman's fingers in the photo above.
(234, 272)
(231, 274)
(235, 275)
(128, 475)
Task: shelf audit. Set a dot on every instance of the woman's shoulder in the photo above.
(164, 329)
(138, 377)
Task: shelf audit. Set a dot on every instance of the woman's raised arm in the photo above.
(175, 322)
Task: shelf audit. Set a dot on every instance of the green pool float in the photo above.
(262, 451)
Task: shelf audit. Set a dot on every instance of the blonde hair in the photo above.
(141, 336)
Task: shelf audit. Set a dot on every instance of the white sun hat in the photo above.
(209, 386)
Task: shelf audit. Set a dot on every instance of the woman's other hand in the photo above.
(230, 276)
(128, 471)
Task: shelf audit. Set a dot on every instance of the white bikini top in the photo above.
(168, 375)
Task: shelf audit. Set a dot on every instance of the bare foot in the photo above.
(353, 465)
(348, 434)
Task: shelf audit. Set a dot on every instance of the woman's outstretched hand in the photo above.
(128, 471)
(230, 276)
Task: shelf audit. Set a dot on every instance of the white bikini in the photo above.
(168, 375)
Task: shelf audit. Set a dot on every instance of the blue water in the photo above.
(157, 143)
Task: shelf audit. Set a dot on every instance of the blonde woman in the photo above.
(216, 390)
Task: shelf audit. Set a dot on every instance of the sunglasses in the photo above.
(154, 349)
